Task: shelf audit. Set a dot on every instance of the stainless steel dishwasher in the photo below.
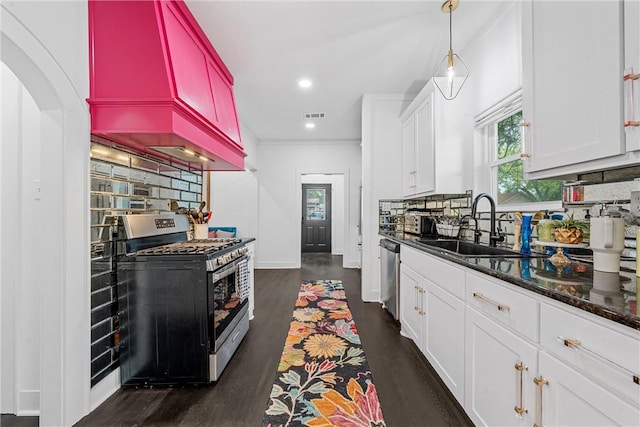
(390, 276)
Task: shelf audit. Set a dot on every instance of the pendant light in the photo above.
(452, 73)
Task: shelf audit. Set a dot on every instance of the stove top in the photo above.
(191, 247)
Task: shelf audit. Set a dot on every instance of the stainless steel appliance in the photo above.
(183, 305)
(422, 225)
(390, 276)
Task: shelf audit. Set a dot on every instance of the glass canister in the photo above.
(545, 230)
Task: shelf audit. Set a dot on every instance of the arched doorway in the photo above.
(52, 260)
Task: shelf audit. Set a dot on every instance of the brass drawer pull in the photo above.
(577, 345)
(500, 307)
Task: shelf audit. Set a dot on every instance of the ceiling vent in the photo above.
(314, 115)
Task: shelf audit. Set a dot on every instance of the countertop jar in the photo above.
(545, 230)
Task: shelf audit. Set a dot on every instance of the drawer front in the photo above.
(510, 308)
(593, 347)
(443, 274)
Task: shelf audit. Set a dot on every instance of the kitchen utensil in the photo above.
(194, 215)
(607, 242)
(202, 205)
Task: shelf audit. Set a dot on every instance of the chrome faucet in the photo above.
(494, 232)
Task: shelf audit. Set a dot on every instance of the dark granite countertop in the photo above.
(609, 295)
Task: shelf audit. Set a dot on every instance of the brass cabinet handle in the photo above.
(577, 345)
(519, 408)
(629, 81)
(500, 307)
(539, 382)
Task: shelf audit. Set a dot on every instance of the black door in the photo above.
(316, 217)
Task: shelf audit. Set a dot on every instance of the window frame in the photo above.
(486, 128)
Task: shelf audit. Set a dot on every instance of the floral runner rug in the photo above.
(323, 378)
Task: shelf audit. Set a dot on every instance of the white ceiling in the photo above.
(347, 48)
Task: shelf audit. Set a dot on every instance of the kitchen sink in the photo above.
(469, 249)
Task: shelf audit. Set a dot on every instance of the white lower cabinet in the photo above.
(500, 367)
(434, 317)
(565, 397)
(411, 292)
(513, 357)
(442, 343)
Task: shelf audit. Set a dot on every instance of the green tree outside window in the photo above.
(512, 188)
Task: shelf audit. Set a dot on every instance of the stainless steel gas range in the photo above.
(183, 305)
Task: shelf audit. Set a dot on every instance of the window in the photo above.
(501, 130)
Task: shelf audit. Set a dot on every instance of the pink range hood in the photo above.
(158, 85)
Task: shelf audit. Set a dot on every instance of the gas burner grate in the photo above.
(195, 247)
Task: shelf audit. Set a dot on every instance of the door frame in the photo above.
(297, 207)
(64, 327)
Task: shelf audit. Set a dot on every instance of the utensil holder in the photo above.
(200, 231)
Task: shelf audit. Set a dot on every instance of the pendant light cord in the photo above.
(450, 25)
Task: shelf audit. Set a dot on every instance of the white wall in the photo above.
(234, 195)
(45, 45)
(381, 175)
(337, 207)
(494, 59)
(20, 290)
(282, 165)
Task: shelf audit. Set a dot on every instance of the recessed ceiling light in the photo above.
(309, 125)
(304, 83)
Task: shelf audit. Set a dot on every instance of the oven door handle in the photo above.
(228, 270)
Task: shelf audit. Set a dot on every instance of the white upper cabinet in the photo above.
(434, 132)
(418, 163)
(632, 66)
(572, 84)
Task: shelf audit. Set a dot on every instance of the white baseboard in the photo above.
(275, 265)
(28, 403)
(352, 264)
(105, 388)
(371, 296)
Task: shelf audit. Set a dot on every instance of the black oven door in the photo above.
(163, 334)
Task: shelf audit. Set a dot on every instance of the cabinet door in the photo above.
(572, 86)
(425, 156)
(411, 307)
(409, 156)
(632, 65)
(570, 399)
(224, 102)
(444, 337)
(494, 386)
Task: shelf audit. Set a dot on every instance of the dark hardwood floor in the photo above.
(410, 392)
